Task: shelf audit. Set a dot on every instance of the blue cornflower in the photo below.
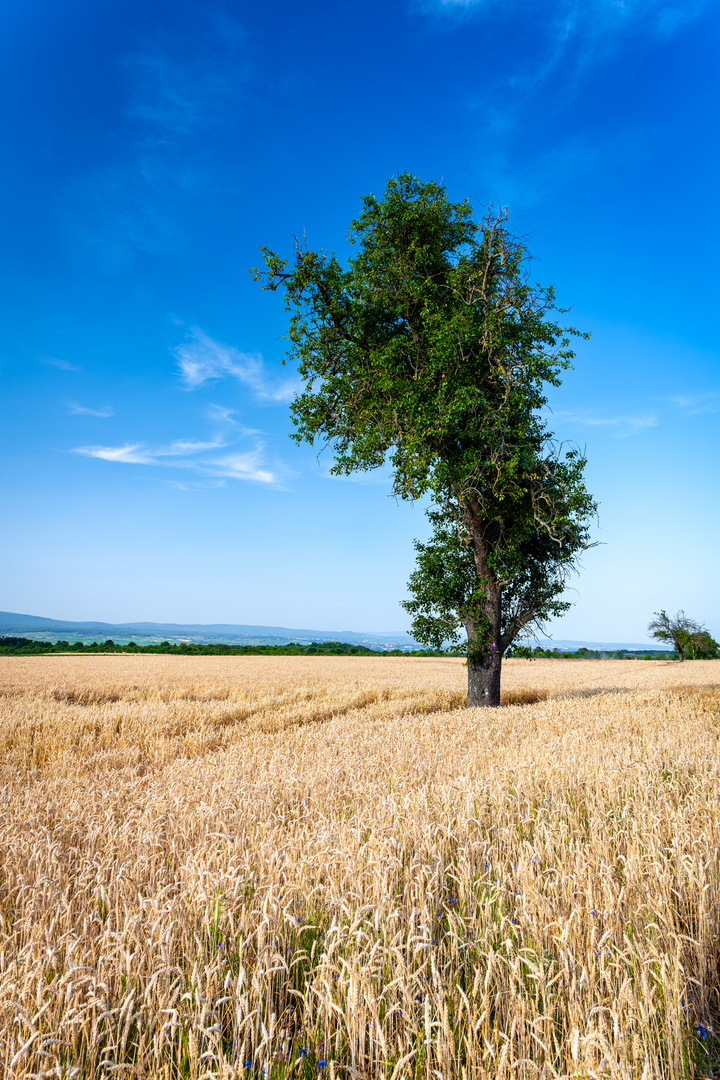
(701, 1031)
(418, 997)
(303, 1052)
(247, 1065)
(322, 1063)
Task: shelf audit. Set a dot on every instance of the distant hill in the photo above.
(144, 633)
(602, 646)
(42, 629)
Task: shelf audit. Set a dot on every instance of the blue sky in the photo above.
(150, 148)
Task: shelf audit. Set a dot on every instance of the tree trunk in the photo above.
(484, 680)
(484, 634)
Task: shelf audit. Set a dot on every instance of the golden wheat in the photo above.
(225, 867)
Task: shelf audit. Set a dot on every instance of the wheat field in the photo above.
(304, 867)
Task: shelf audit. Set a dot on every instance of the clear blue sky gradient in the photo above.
(150, 148)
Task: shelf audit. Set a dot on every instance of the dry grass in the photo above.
(224, 867)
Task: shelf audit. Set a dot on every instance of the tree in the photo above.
(447, 594)
(703, 646)
(431, 350)
(684, 634)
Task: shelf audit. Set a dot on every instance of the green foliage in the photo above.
(687, 636)
(15, 646)
(431, 350)
(447, 595)
(520, 652)
(431, 347)
(702, 646)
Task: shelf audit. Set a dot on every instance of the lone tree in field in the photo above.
(684, 634)
(431, 350)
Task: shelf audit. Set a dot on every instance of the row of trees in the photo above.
(537, 652)
(18, 646)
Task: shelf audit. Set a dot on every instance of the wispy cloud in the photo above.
(64, 365)
(247, 466)
(129, 454)
(695, 404)
(529, 89)
(195, 457)
(619, 427)
(196, 485)
(81, 410)
(221, 415)
(598, 22)
(571, 38)
(191, 80)
(203, 359)
(142, 454)
(187, 82)
(186, 447)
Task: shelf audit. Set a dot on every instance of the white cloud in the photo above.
(64, 365)
(574, 35)
(695, 404)
(185, 447)
(618, 426)
(191, 455)
(80, 410)
(189, 82)
(141, 454)
(186, 81)
(130, 454)
(597, 17)
(247, 466)
(221, 415)
(203, 359)
(196, 485)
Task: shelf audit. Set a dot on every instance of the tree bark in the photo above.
(484, 680)
(484, 655)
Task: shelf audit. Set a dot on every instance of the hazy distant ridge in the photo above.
(36, 626)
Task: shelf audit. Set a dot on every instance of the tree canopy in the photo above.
(684, 634)
(431, 350)
(446, 594)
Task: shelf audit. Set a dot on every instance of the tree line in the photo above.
(19, 646)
